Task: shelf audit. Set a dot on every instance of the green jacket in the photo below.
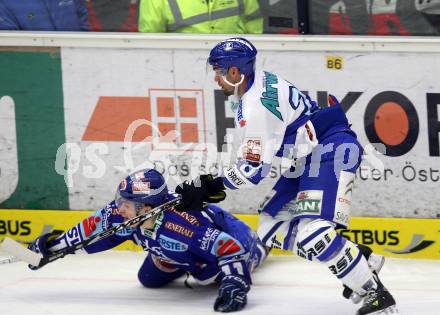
(200, 16)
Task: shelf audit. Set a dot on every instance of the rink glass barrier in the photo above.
(393, 237)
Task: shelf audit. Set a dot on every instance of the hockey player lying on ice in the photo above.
(210, 244)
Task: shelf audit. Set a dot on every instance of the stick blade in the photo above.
(17, 250)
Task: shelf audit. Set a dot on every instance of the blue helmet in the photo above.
(144, 187)
(234, 52)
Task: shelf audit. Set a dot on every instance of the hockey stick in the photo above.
(14, 248)
(19, 252)
(9, 260)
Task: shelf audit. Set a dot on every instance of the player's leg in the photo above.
(245, 235)
(155, 273)
(257, 251)
(317, 240)
(275, 220)
(375, 262)
(323, 203)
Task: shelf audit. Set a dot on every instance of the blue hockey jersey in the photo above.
(208, 244)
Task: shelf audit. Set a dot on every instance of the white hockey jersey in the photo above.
(272, 120)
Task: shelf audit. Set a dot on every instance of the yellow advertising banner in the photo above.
(394, 237)
(397, 237)
(26, 225)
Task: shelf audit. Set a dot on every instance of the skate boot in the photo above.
(375, 262)
(378, 301)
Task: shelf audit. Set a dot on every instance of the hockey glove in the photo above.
(232, 294)
(40, 245)
(203, 189)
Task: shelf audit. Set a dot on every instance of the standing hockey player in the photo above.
(310, 200)
(210, 244)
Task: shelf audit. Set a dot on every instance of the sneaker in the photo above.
(378, 301)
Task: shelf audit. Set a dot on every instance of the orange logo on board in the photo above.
(168, 110)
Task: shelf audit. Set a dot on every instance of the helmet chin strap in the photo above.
(236, 85)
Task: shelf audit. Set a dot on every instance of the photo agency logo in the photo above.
(168, 131)
(164, 131)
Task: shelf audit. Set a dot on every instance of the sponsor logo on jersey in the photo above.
(123, 232)
(141, 187)
(89, 225)
(157, 251)
(307, 202)
(269, 97)
(233, 177)
(73, 235)
(343, 198)
(106, 214)
(240, 118)
(188, 217)
(172, 244)
(225, 245)
(208, 238)
(179, 229)
(252, 150)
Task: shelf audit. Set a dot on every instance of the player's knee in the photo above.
(274, 231)
(318, 240)
(150, 281)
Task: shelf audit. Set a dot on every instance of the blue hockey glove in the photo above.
(39, 245)
(232, 294)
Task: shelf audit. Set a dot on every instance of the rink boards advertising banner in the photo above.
(76, 120)
(395, 237)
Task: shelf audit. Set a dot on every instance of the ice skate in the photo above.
(378, 301)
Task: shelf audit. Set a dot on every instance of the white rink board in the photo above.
(91, 73)
(106, 283)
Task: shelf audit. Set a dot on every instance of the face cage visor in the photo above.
(214, 71)
(121, 202)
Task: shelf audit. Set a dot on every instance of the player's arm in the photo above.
(266, 131)
(235, 277)
(98, 221)
(260, 138)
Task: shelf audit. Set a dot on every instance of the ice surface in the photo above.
(106, 283)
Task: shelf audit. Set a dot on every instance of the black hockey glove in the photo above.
(232, 294)
(40, 245)
(205, 188)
